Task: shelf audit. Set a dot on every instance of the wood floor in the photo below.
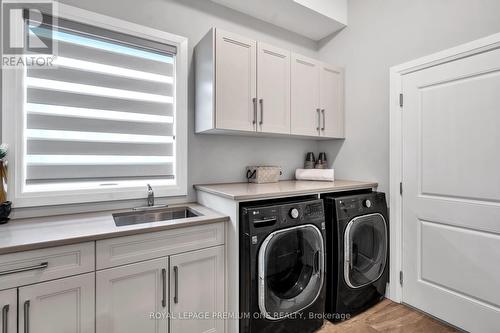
(388, 316)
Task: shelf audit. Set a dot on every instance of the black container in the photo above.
(322, 163)
(5, 209)
(310, 161)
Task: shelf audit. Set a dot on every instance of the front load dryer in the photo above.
(357, 253)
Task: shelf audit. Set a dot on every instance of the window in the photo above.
(109, 119)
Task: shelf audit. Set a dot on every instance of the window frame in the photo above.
(13, 123)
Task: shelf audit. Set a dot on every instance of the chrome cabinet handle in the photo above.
(254, 100)
(5, 323)
(319, 119)
(43, 265)
(164, 286)
(176, 284)
(27, 317)
(324, 122)
(261, 102)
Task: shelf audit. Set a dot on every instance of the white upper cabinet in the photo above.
(59, 306)
(317, 98)
(305, 96)
(273, 89)
(249, 87)
(331, 101)
(235, 82)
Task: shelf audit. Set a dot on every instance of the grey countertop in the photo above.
(34, 233)
(251, 191)
(41, 232)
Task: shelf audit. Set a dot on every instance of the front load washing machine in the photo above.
(282, 266)
(357, 252)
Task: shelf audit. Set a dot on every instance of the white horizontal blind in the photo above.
(104, 116)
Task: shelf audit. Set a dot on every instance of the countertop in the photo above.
(40, 232)
(251, 191)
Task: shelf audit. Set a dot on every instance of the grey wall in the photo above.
(215, 158)
(381, 34)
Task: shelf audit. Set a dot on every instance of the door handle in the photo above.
(261, 102)
(254, 100)
(324, 122)
(316, 262)
(319, 119)
(43, 265)
(176, 284)
(27, 317)
(164, 290)
(5, 323)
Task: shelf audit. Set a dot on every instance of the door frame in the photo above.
(396, 74)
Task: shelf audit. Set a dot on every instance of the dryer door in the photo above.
(291, 268)
(365, 250)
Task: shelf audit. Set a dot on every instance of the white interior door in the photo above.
(305, 96)
(332, 101)
(236, 85)
(451, 199)
(127, 295)
(8, 311)
(273, 89)
(197, 286)
(59, 306)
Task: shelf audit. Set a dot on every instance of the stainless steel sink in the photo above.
(156, 215)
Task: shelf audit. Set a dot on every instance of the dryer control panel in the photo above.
(361, 204)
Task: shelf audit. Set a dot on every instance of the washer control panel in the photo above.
(286, 214)
(314, 209)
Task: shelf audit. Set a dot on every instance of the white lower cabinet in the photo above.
(186, 295)
(164, 282)
(8, 308)
(127, 296)
(197, 287)
(59, 306)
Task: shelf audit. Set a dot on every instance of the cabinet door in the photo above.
(128, 296)
(273, 89)
(332, 101)
(59, 306)
(197, 286)
(305, 96)
(8, 308)
(236, 74)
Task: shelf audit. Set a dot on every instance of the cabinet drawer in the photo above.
(125, 250)
(22, 268)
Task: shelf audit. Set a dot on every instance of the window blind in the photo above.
(104, 115)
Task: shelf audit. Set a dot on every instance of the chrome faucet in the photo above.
(151, 196)
(151, 202)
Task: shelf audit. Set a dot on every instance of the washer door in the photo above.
(291, 268)
(365, 250)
